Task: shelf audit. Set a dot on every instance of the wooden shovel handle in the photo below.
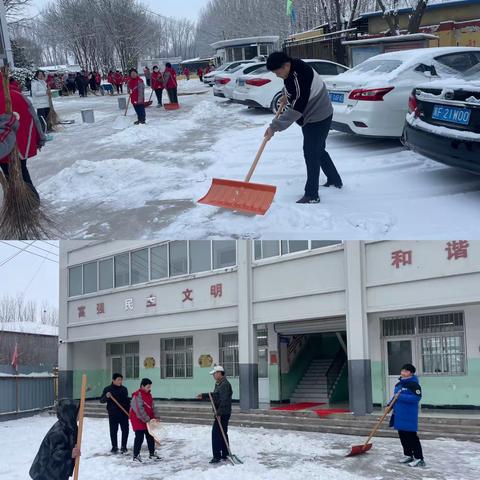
(80, 425)
(262, 148)
(387, 411)
(119, 406)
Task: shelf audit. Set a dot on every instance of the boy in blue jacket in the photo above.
(405, 416)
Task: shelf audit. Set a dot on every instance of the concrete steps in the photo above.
(430, 427)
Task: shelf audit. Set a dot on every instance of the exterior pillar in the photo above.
(359, 367)
(65, 349)
(247, 338)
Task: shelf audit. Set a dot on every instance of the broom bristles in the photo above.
(21, 216)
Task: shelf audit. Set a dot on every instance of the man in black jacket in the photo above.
(55, 459)
(309, 105)
(222, 399)
(116, 416)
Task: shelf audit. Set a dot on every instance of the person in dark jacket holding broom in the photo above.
(116, 416)
(55, 459)
(222, 399)
(405, 416)
(309, 105)
(30, 136)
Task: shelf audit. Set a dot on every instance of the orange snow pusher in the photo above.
(359, 449)
(171, 106)
(244, 197)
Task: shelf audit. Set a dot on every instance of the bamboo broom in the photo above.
(20, 216)
(53, 120)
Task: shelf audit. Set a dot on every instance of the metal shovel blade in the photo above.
(359, 449)
(246, 197)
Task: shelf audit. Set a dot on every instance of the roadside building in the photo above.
(342, 315)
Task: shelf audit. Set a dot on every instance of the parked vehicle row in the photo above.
(428, 97)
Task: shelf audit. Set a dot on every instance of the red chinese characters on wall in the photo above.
(187, 295)
(216, 290)
(457, 249)
(100, 308)
(401, 258)
(81, 311)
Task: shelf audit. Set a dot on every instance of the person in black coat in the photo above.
(116, 416)
(55, 459)
(222, 399)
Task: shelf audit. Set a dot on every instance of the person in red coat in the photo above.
(136, 88)
(142, 412)
(186, 72)
(98, 79)
(30, 136)
(157, 84)
(118, 81)
(200, 73)
(170, 81)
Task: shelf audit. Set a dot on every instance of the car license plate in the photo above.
(337, 97)
(241, 83)
(460, 116)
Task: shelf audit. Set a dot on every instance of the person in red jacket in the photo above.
(186, 72)
(142, 411)
(157, 84)
(136, 88)
(98, 79)
(200, 73)
(170, 81)
(118, 81)
(30, 136)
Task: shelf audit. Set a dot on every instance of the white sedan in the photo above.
(209, 78)
(225, 82)
(371, 99)
(264, 89)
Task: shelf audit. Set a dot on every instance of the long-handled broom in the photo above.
(21, 216)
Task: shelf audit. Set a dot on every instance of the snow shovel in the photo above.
(80, 425)
(154, 428)
(245, 197)
(149, 102)
(233, 458)
(122, 121)
(359, 449)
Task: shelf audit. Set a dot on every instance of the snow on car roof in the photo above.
(453, 83)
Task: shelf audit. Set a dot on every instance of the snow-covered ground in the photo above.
(143, 182)
(267, 455)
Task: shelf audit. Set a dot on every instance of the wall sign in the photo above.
(205, 361)
(149, 362)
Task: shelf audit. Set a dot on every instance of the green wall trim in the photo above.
(187, 388)
(438, 390)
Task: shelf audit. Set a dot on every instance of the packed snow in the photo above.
(267, 455)
(98, 182)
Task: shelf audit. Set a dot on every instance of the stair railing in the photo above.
(335, 370)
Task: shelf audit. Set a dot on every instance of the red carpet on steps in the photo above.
(329, 411)
(298, 406)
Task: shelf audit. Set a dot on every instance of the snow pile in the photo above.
(117, 182)
(206, 110)
(192, 86)
(267, 455)
(29, 327)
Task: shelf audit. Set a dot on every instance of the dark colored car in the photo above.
(444, 123)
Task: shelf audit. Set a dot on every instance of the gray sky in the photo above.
(28, 273)
(171, 8)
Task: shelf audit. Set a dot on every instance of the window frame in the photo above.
(123, 356)
(221, 355)
(417, 338)
(164, 352)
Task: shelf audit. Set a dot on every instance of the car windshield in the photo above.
(261, 69)
(377, 66)
(459, 64)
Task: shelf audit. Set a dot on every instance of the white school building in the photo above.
(290, 321)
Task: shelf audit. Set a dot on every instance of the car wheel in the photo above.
(276, 102)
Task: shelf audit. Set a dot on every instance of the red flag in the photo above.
(15, 357)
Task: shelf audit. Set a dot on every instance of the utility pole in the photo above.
(5, 46)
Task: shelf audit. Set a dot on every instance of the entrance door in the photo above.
(399, 352)
(263, 380)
